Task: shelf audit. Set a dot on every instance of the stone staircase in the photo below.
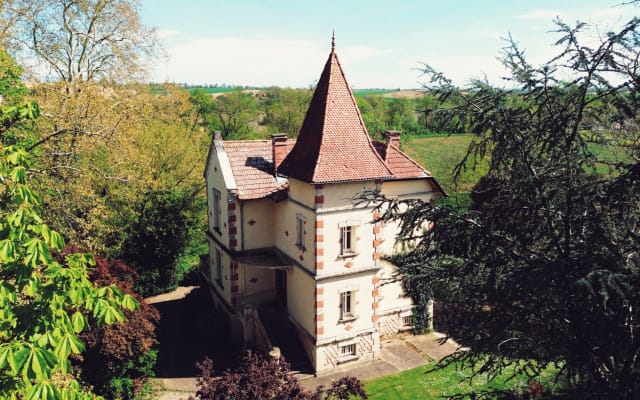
(283, 334)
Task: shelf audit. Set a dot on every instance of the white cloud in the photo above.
(253, 61)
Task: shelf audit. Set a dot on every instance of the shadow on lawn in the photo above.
(189, 330)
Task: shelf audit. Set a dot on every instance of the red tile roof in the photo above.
(333, 144)
(252, 167)
(400, 164)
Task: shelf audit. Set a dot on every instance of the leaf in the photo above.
(130, 303)
(7, 250)
(67, 345)
(43, 391)
(78, 321)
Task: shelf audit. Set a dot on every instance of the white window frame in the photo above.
(216, 200)
(300, 231)
(348, 351)
(347, 305)
(218, 267)
(348, 240)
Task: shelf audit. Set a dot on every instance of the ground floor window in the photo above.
(348, 351)
(407, 321)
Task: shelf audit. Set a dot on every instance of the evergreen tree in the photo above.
(544, 267)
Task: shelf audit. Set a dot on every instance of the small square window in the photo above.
(348, 351)
(407, 321)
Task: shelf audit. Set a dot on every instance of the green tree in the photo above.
(374, 111)
(44, 303)
(544, 268)
(233, 113)
(285, 109)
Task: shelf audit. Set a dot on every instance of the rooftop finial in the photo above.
(333, 40)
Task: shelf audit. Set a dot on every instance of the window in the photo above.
(216, 209)
(348, 351)
(300, 222)
(347, 240)
(407, 321)
(347, 304)
(218, 268)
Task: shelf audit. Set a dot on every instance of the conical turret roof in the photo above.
(333, 144)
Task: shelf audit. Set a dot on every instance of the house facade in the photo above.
(284, 229)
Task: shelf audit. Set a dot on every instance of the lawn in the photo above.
(423, 383)
(439, 154)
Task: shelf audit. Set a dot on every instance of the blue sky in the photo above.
(381, 44)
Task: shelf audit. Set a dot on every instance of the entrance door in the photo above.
(281, 287)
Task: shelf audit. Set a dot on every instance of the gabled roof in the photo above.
(251, 163)
(333, 144)
(402, 166)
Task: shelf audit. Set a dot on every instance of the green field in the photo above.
(423, 383)
(372, 92)
(439, 154)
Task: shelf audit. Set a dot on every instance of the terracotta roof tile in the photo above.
(400, 164)
(252, 167)
(333, 144)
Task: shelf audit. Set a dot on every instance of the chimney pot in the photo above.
(278, 150)
(392, 137)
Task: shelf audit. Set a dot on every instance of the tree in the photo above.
(260, 378)
(83, 40)
(44, 303)
(119, 358)
(544, 268)
(232, 114)
(285, 110)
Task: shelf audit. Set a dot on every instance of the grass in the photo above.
(372, 92)
(439, 154)
(423, 383)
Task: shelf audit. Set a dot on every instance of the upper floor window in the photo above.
(300, 233)
(347, 305)
(347, 240)
(216, 209)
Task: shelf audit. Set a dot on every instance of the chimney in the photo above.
(278, 150)
(392, 138)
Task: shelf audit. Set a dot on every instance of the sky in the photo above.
(380, 44)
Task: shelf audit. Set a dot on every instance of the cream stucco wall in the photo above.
(256, 285)
(284, 233)
(392, 297)
(334, 261)
(302, 192)
(215, 180)
(223, 290)
(334, 327)
(341, 194)
(257, 219)
(301, 298)
(415, 189)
